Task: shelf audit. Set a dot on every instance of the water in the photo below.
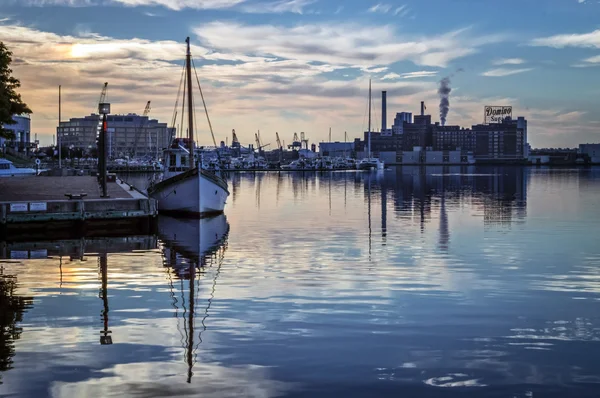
(477, 282)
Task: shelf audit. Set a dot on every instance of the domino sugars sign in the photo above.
(496, 114)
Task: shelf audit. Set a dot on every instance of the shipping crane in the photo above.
(279, 147)
(296, 144)
(259, 146)
(304, 140)
(139, 131)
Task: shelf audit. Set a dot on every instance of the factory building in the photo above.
(414, 140)
(336, 149)
(592, 151)
(22, 135)
(128, 135)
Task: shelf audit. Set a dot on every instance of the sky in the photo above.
(304, 65)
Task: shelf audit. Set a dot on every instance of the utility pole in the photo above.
(58, 140)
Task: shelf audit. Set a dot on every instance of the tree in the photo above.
(10, 101)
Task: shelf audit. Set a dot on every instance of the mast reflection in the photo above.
(190, 248)
(105, 338)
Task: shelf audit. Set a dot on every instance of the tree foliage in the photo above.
(10, 101)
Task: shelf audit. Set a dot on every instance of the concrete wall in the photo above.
(454, 156)
(411, 157)
(388, 157)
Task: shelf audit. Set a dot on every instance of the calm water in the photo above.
(478, 282)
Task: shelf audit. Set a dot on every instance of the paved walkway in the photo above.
(34, 188)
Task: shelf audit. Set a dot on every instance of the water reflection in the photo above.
(12, 309)
(415, 281)
(190, 247)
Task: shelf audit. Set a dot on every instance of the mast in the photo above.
(369, 130)
(58, 140)
(188, 66)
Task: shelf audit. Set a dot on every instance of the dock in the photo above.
(33, 207)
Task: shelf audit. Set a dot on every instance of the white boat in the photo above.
(8, 169)
(185, 187)
(370, 162)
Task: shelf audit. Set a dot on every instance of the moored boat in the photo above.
(8, 169)
(185, 187)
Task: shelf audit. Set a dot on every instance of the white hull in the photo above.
(192, 193)
(370, 163)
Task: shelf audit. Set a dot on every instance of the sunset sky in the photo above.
(304, 65)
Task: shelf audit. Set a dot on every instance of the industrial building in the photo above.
(416, 140)
(592, 151)
(336, 149)
(128, 135)
(22, 135)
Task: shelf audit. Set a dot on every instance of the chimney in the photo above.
(383, 110)
(422, 108)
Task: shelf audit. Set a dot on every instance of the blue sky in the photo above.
(304, 65)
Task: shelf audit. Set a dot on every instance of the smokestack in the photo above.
(444, 92)
(383, 110)
(422, 108)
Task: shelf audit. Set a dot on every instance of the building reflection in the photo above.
(12, 309)
(192, 249)
(421, 194)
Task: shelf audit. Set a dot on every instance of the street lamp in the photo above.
(103, 109)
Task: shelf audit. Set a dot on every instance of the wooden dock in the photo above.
(33, 207)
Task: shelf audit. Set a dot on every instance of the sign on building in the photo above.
(496, 114)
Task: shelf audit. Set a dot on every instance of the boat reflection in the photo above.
(193, 249)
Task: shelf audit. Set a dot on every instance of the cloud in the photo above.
(278, 7)
(380, 7)
(339, 43)
(391, 76)
(501, 72)
(171, 4)
(508, 61)
(591, 39)
(409, 75)
(402, 11)
(593, 60)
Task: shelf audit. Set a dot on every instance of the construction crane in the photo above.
(139, 130)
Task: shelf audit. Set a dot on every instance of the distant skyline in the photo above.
(304, 65)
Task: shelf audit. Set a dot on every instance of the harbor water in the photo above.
(411, 282)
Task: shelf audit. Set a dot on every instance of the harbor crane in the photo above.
(304, 140)
(296, 144)
(138, 131)
(235, 144)
(259, 146)
(279, 147)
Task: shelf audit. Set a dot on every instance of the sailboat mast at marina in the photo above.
(369, 162)
(186, 188)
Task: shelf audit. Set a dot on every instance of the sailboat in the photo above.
(185, 187)
(370, 162)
